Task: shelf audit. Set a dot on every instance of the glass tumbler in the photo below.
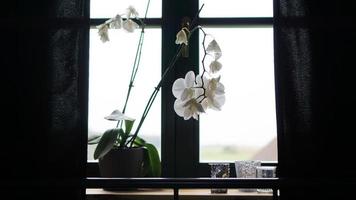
(247, 169)
(265, 172)
(219, 170)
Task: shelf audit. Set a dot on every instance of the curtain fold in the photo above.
(314, 57)
(44, 84)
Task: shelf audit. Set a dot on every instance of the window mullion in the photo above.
(179, 137)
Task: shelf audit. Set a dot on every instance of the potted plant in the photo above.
(122, 156)
(195, 94)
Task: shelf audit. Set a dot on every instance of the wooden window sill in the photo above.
(158, 194)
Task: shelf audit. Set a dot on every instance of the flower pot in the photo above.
(122, 162)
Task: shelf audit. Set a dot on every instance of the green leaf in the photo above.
(128, 126)
(123, 137)
(139, 141)
(106, 143)
(154, 165)
(94, 140)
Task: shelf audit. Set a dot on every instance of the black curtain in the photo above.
(44, 98)
(315, 67)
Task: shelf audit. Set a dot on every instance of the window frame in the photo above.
(179, 137)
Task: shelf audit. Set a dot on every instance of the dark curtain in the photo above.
(315, 67)
(44, 99)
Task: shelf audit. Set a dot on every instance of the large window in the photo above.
(244, 129)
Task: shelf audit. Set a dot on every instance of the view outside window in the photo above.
(245, 128)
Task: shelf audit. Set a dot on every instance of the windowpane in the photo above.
(109, 8)
(245, 128)
(110, 69)
(237, 8)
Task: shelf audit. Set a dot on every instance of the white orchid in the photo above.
(214, 93)
(182, 36)
(129, 25)
(183, 89)
(215, 66)
(115, 22)
(131, 12)
(103, 32)
(186, 92)
(214, 50)
(188, 109)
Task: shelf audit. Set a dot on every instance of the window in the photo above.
(247, 123)
(246, 127)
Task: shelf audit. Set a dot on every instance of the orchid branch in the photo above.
(154, 94)
(137, 60)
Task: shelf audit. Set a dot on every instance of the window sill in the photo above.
(98, 194)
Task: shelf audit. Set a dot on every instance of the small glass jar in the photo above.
(219, 170)
(247, 169)
(265, 172)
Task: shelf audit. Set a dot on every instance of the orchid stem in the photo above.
(136, 63)
(154, 94)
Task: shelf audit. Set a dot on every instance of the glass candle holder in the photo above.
(219, 170)
(247, 169)
(265, 172)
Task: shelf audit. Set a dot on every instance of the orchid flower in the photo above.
(214, 96)
(115, 22)
(103, 32)
(215, 66)
(129, 25)
(183, 89)
(214, 50)
(188, 109)
(181, 37)
(131, 12)
(214, 93)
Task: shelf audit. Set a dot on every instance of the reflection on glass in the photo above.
(109, 8)
(110, 67)
(237, 8)
(245, 128)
